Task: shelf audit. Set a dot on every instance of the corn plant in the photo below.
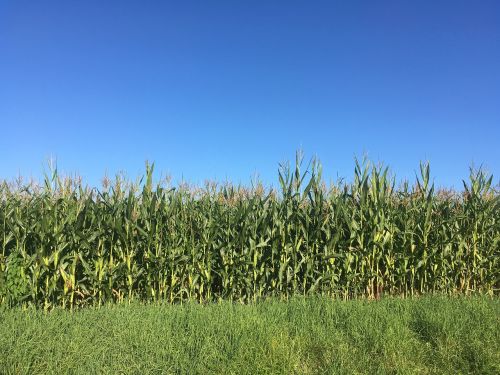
(65, 244)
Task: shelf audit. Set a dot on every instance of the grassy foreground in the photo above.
(445, 335)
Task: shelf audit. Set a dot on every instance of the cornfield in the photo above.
(66, 244)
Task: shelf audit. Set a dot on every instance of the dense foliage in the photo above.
(64, 244)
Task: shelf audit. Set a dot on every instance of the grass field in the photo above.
(441, 335)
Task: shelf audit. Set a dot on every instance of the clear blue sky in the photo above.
(222, 90)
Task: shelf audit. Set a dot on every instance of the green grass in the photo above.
(431, 334)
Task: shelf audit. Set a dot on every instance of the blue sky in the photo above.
(227, 89)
